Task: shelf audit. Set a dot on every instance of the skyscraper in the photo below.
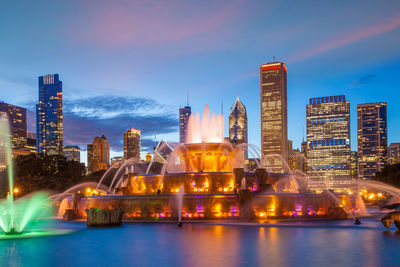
(184, 114)
(372, 138)
(98, 154)
(132, 144)
(394, 153)
(72, 153)
(17, 119)
(49, 116)
(273, 89)
(328, 143)
(238, 123)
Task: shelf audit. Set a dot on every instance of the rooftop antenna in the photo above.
(274, 59)
(187, 99)
(222, 107)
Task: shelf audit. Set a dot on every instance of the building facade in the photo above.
(184, 114)
(273, 90)
(98, 154)
(72, 153)
(328, 143)
(372, 138)
(238, 123)
(17, 120)
(394, 153)
(49, 116)
(354, 165)
(132, 144)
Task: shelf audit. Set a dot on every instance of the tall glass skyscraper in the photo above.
(328, 143)
(132, 144)
(273, 89)
(49, 116)
(238, 123)
(184, 114)
(372, 138)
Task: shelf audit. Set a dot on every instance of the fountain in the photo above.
(15, 215)
(217, 185)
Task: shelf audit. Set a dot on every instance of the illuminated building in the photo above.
(328, 143)
(162, 151)
(184, 114)
(49, 116)
(372, 138)
(304, 154)
(116, 159)
(354, 165)
(17, 119)
(148, 157)
(31, 142)
(72, 153)
(132, 144)
(273, 89)
(238, 123)
(98, 154)
(394, 153)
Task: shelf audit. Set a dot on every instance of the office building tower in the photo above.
(31, 142)
(273, 89)
(72, 153)
(328, 143)
(238, 123)
(184, 114)
(394, 153)
(162, 151)
(354, 165)
(17, 120)
(98, 154)
(372, 138)
(49, 116)
(132, 144)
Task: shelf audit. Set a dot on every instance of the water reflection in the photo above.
(209, 245)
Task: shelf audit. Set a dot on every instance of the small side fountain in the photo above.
(15, 215)
(179, 197)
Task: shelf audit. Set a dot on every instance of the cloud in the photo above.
(355, 36)
(112, 116)
(366, 79)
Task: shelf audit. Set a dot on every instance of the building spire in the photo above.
(187, 99)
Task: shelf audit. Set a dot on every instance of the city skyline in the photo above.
(348, 55)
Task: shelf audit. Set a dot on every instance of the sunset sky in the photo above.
(131, 63)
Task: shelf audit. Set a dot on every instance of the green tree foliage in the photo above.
(389, 175)
(33, 173)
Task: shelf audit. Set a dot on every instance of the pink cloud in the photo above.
(143, 23)
(356, 36)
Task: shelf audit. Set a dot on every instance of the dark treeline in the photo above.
(390, 174)
(55, 173)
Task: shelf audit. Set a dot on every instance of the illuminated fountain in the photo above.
(16, 215)
(216, 183)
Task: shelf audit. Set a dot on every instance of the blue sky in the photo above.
(131, 63)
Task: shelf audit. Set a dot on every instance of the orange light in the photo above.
(16, 190)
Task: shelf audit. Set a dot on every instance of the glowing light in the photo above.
(16, 190)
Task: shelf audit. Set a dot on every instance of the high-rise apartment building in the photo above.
(98, 154)
(72, 153)
(394, 153)
(372, 138)
(238, 123)
(184, 114)
(17, 120)
(328, 143)
(31, 142)
(354, 165)
(273, 89)
(132, 144)
(49, 116)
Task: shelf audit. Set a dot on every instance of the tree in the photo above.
(390, 174)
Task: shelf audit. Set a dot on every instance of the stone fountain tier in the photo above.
(242, 206)
(103, 217)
